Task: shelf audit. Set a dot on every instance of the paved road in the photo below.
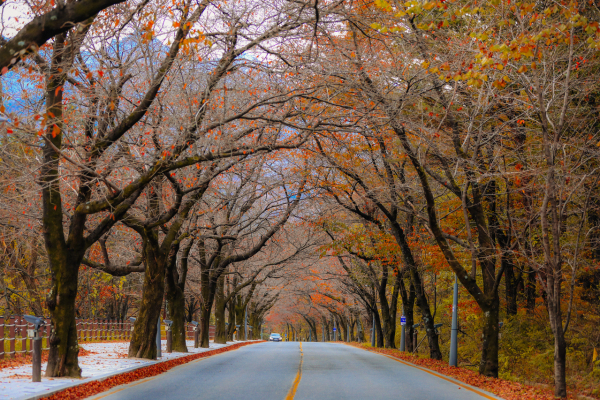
(270, 371)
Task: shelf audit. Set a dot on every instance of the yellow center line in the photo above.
(292, 392)
(441, 377)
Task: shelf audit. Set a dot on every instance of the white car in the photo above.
(275, 337)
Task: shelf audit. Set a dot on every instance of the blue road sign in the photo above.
(403, 320)
(334, 329)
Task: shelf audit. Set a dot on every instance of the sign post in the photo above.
(36, 346)
(454, 333)
(246, 323)
(158, 349)
(373, 332)
(403, 332)
(168, 324)
(196, 335)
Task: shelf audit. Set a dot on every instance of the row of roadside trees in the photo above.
(211, 146)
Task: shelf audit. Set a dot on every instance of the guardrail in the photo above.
(14, 340)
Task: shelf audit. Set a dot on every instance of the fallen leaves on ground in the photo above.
(22, 359)
(94, 387)
(508, 390)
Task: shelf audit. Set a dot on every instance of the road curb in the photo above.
(186, 359)
(437, 374)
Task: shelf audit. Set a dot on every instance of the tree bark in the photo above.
(64, 348)
(175, 294)
(489, 353)
(143, 339)
(378, 329)
(64, 256)
(231, 318)
(208, 295)
(176, 310)
(512, 287)
(422, 302)
(408, 300)
(43, 27)
(220, 327)
(530, 290)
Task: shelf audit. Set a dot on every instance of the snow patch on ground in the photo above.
(107, 359)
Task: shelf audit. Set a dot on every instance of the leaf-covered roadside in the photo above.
(506, 389)
(95, 387)
(21, 359)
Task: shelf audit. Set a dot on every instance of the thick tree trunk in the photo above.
(560, 362)
(388, 327)
(176, 310)
(220, 327)
(408, 300)
(240, 312)
(389, 314)
(64, 257)
(313, 329)
(379, 330)
(143, 340)
(361, 330)
(530, 291)
(489, 352)
(64, 349)
(422, 302)
(556, 323)
(326, 328)
(510, 281)
(174, 294)
(256, 323)
(231, 320)
(204, 327)
(426, 316)
(342, 328)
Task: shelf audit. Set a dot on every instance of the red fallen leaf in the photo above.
(94, 387)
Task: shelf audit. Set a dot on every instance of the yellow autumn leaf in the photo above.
(429, 5)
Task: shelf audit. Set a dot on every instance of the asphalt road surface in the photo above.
(292, 370)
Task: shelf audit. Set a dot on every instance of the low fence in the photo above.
(14, 340)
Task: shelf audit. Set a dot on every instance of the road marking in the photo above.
(292, 392)
(441, 377)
